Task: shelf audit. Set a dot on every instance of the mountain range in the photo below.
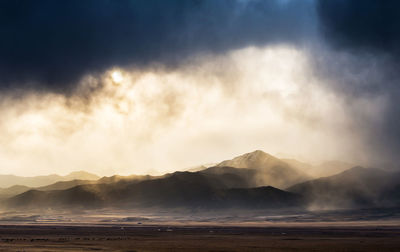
(11, 180)
(250, 181)
(180, 189)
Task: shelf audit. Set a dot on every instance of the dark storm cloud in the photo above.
(362, 24)
(365, 37)
(50, 45)
(368, 30)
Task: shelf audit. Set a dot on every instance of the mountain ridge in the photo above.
(254, 179)
(180, 189)
(270, 170)
(43, 180)
(356, 187)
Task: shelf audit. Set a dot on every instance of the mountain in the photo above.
(261, 169)
(179, 189)
(81, 175)
(13, 190)
(11, 180)
(62, 185)
(269, 169)
(117, 178)
(329, 168)
(246, 182)
(324, 169)
(249, 177)
(18, 189)
(356, 187)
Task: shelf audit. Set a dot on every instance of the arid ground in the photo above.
(199, 238)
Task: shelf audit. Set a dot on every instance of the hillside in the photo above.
(269, 169)
(323, 169)
(356, 187)
(12, 190)
(62, 185)
(180, 189)
(249, 177)
(37, 181)
(247, 181)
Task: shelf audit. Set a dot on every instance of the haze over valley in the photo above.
(254, 181)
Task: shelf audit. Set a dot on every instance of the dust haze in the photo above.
(213, 108)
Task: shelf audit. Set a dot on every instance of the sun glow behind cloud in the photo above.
(117, 77)
(154, 121)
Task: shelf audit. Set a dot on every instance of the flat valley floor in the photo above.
(30, 237)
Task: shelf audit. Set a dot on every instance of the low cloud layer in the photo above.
(159, 121)
(142, 86)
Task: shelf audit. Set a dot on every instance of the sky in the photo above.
(153, 86)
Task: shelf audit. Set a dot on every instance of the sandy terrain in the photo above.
(198, 238)
(112, 230)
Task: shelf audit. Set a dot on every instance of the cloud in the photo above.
(161, 121)
(50, 45)
(201, 74)
(361, 59)
(368, 25)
